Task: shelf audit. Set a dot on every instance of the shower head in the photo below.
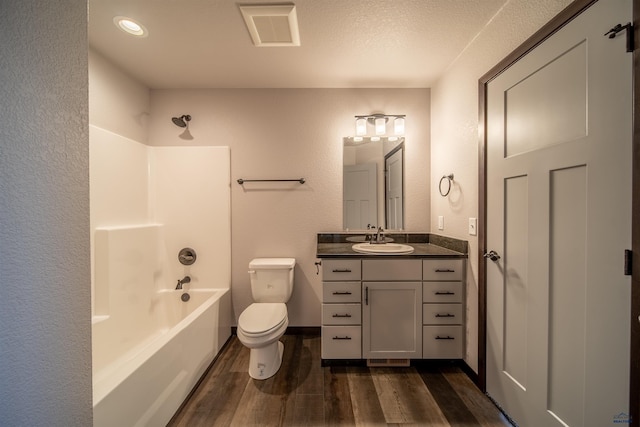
(181, 121)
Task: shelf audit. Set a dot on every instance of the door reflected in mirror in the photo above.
(373, 183)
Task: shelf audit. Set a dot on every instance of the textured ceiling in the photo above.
(344, 43)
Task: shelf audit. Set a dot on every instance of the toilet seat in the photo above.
(261, 319)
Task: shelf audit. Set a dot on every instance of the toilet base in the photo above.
(264, 362)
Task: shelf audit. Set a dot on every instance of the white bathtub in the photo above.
(143, 372)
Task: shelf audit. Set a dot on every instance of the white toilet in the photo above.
(261, 325)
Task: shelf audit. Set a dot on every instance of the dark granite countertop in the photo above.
(338, 245)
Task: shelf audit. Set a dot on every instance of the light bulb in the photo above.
(398, 126)
(381, 125)
(361, 126)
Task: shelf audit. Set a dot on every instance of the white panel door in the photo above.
(393, 165)
(559, 215)
(360, 196)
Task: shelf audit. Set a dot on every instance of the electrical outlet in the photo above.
(440, 222)
(473, 226)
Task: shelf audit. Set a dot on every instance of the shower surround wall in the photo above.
(186, 189)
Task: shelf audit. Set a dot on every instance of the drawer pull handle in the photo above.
(444, 270)
(341, 293)
(342, 315)
(445, 338)
(341, 338)
(445, 293)
(342, 270)
(446, 315)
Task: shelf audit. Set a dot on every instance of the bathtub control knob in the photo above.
(187, 256)
(185, 297)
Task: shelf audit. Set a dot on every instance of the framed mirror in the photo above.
(373, 183)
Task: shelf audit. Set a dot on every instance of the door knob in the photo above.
(492, 255)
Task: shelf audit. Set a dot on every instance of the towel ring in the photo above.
(449, 179)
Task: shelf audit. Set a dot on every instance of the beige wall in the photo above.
(117, 102)
(292, 133)
(45, 338)
(454, 138)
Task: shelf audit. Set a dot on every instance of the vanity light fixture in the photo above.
(379, 124)
(130, 26)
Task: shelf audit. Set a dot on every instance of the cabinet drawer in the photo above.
(442, 342)
(442, 292)
(341, 292)
(391, 269)
(442, 314)
(341, 269)
(442, 269)
(341, 314)
(341, 342)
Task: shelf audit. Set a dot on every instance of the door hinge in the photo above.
(628, 256)
(612, 33)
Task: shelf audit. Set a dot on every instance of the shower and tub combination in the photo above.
(152, 342)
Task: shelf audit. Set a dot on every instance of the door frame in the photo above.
(559, 21)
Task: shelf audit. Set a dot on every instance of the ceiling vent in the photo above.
(272, 25)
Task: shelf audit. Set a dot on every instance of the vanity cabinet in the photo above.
(377, 307)
(341, 309)
(442, 309)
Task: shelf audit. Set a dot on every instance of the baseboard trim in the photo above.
(292, 330)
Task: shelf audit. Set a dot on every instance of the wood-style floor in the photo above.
(303, 393)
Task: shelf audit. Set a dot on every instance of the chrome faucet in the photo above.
(186, 279)
(379, 237)
(369, 236)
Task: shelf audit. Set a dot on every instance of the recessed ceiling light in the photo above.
(130, 26)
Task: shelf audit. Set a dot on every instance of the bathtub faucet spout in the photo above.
(186, 279)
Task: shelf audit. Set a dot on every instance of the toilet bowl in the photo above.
(261, 325)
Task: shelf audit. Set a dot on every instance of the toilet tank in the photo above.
(271, 279)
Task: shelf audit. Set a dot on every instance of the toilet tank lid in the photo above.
(272, 263)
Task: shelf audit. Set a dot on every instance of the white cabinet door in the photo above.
(392, 320)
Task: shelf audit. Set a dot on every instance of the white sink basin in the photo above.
(384, 248)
